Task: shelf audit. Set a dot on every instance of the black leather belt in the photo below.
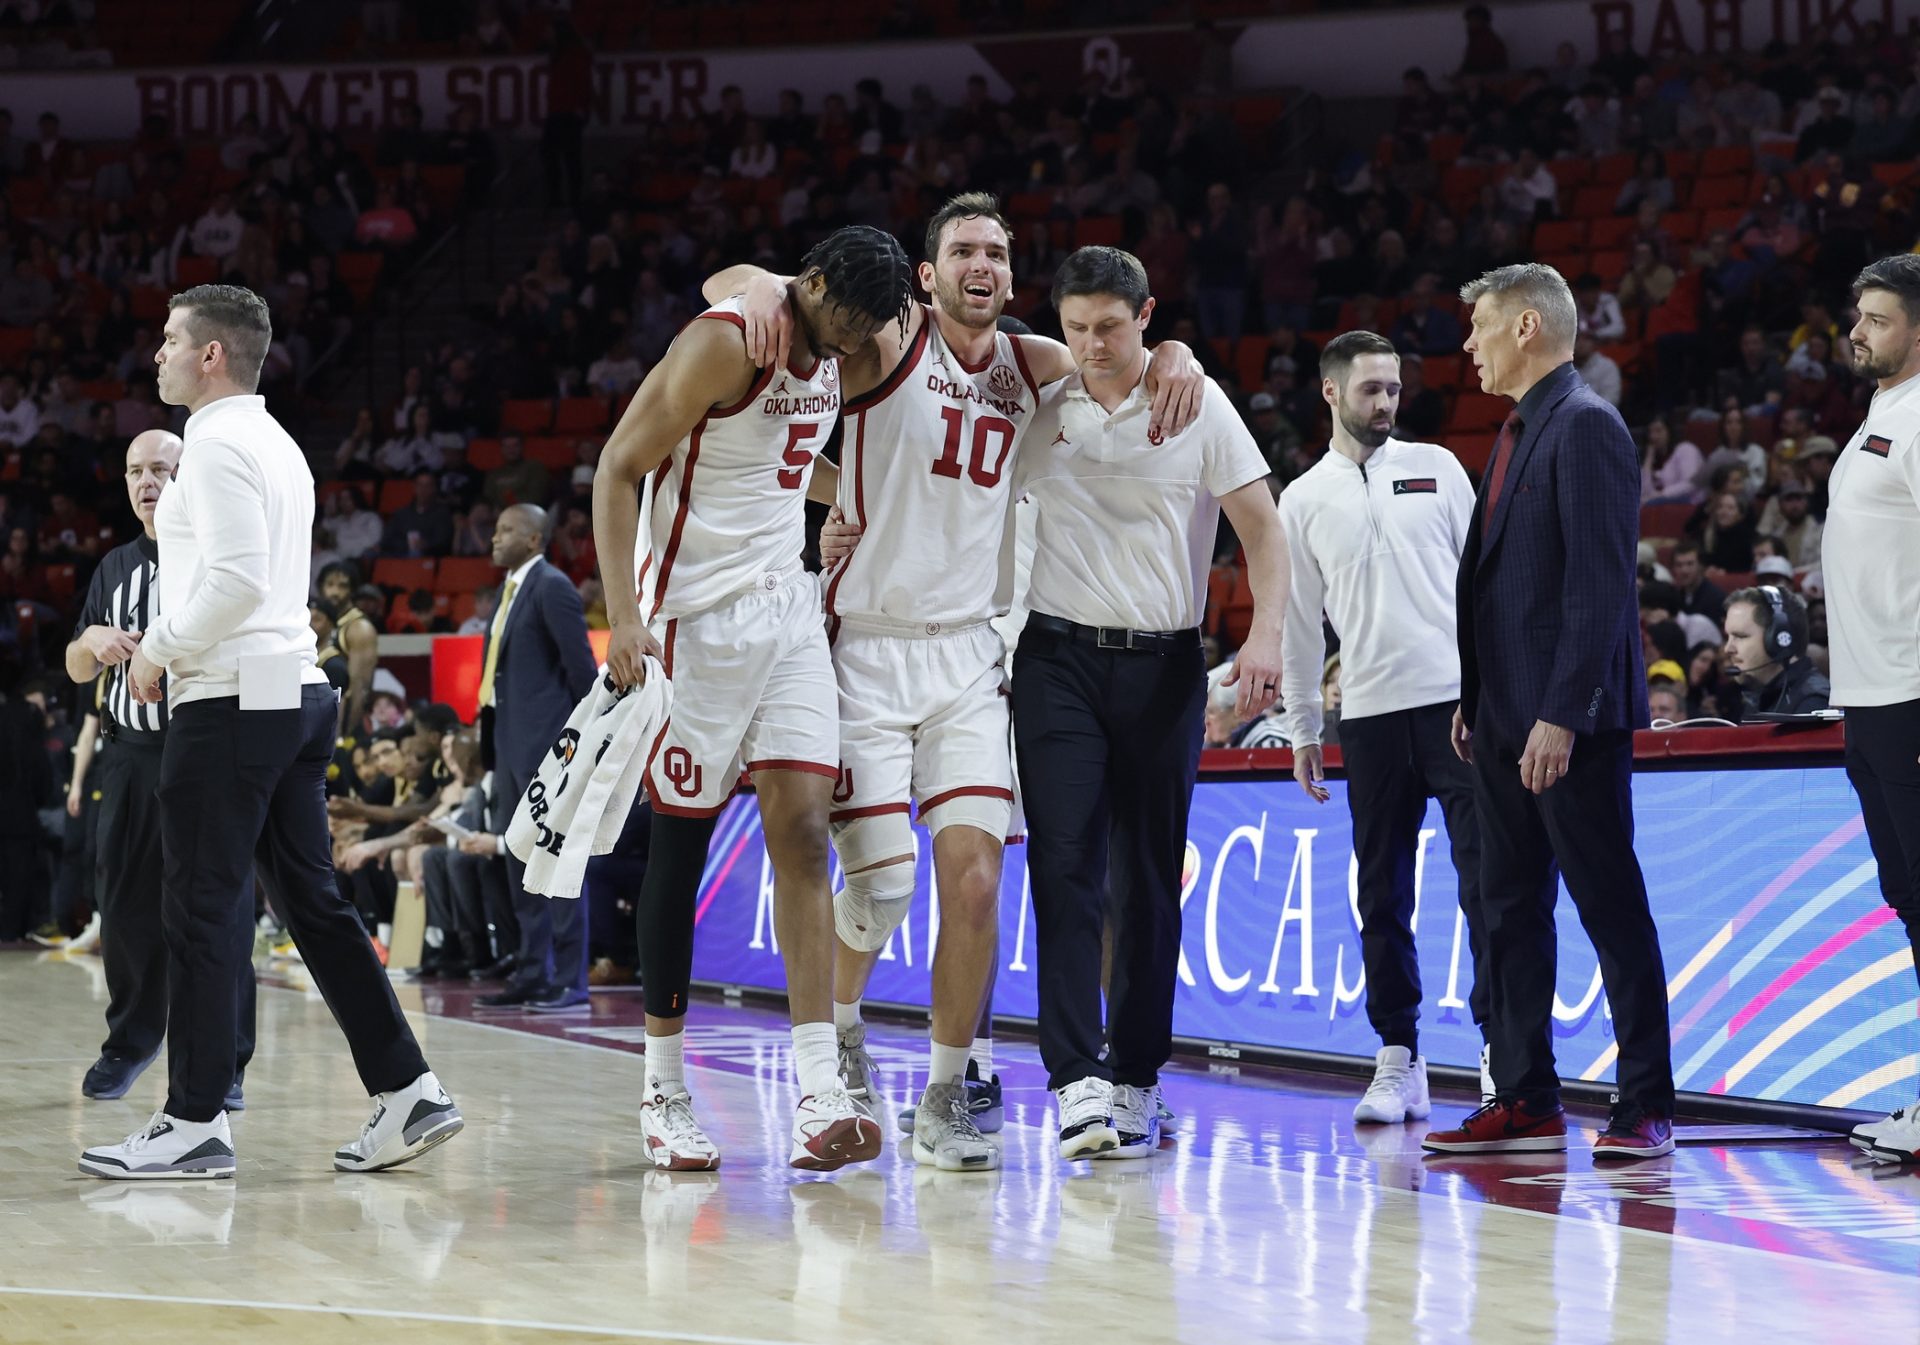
(1117, 637)
(120, 733)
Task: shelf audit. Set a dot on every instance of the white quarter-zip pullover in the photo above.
(236, 533)
(1377, 547)
(1870, 555)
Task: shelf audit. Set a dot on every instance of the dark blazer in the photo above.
(1549, 612)
(545, 669)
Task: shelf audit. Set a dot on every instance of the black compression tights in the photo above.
(676, 857)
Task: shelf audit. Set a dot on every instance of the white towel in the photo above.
(577, 803)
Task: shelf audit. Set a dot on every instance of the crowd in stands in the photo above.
(1710, 215)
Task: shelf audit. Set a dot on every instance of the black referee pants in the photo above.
(133, 944)
(1883, 762)
(1394, 763)
(1109, 747)
(245, 787)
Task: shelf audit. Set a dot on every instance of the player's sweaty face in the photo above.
(973, 277)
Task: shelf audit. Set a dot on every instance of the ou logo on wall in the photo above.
(678, 766)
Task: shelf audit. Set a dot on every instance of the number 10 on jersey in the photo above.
(948, 463)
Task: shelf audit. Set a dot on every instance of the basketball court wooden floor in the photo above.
(1267, 1219)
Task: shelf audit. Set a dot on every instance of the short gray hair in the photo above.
(1537, 286)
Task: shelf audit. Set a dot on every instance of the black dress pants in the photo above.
(1883, 762)
(1394, 762)
(482, 908)
(1109, 747)
(1581, 828)
(240, 788)
(553, 932)
(132, 943)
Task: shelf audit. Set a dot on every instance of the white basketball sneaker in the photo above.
(1487, 1090)
(857, 1070)
(1894, 1140)
(166, 1148)
(673, 1137)
(945, 1135)
(1169, 1118)
(1086, 1118)
(831, 1130)
(1398, 1091)
(405, 1124)
(1136, 1119)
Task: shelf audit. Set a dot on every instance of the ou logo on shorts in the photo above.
(679, 768)
(843, 786)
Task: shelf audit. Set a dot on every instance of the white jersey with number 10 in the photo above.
(728, 506)
(927, 469)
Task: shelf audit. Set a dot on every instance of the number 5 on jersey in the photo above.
(797, 457)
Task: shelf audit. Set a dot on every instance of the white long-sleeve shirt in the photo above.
(235, 531)
(1378, 549)
(1870, 555)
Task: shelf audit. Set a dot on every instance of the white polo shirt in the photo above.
(235, 531)
(1124, 527)
(1870, 555)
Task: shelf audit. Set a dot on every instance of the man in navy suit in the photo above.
(1552, 689)
(536, 668)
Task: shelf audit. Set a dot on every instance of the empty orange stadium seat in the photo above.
(1571, 172)
(1719, 193)
(1551, 236)
(1443, 371)
(1594, 202)
(1611, 232)
(1609, 266)
(1250, 361)
(191, 271)
(580, 415)
(61, 581)
(1099, 231)
(395, 495)
(1473, 450)
(403, 572)
(1474, 410)
(526, 417)
(1664, 520)
(557, 454)
(1712, 221)
(1684, 225)
(1726, 159)
(1613, 169)
(483, 455)
(466, 574)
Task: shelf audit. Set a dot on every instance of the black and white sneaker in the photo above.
(405, 1124)
(166, 1148)
(1136, 1116)
(985, 1102)
(1086, 1118)
(1169, 1118)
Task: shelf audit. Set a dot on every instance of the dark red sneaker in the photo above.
(1503, 1127)
(1634, 1133)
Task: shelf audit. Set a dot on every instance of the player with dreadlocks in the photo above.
(935, 414)
(724, 452)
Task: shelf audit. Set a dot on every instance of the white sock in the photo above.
(816, 1058)
(949, 1064)
(666, 1063)
(982, 1057)
(846, 1017)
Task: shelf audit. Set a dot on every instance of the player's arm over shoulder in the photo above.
(871, 365)
(706, 367)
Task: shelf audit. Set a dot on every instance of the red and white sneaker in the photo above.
(1503, 1127)
(675, 1142)
(1633, 1132)
(831, 1130)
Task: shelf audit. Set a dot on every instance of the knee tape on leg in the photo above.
(871, 906)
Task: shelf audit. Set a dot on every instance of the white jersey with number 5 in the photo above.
(926, 468)
(728, 506)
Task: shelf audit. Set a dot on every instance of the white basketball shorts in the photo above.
(926, 719)
(753, 690)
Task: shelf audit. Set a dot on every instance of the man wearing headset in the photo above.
(1766, 653)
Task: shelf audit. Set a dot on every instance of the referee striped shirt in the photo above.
(125, 596)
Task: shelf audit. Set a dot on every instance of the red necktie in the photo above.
(1502, 455)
